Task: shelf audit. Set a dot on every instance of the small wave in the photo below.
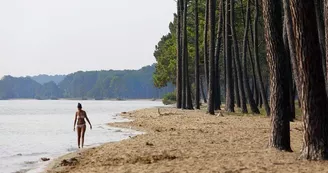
(22, 171)
(30, 162)
(35, 154)
(29, 154)
(71, 149)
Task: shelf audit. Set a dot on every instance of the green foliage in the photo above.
(169, 98)
(127, 84)
(42, 79)
(111, 84)
(166, 49)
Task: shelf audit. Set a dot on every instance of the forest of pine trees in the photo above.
(244, 55)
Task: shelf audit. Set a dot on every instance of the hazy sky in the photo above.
(64, 36)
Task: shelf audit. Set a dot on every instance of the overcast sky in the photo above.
(64, 36)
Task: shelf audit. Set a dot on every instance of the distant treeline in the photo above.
(111, 84)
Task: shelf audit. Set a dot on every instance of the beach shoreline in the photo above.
(191, 141)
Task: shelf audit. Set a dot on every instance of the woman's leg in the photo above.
(79, 129)
(84, 128)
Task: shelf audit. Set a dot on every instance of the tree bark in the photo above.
(238, 69)
(248, 92)
(290, 36)
(289, 71)
(255, 92)
(254, 80)
(183, 58)
(278, 67)
(257, 63)
(197, 93)
(229, 79)
(186, 56)
(326, 41)
(217, 57)
(321, 32)
(311, 80)
(206, 42)
(203, 90)
(235, 79)
(179, 61)
(211, 84)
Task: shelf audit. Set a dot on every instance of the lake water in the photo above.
(32, 129)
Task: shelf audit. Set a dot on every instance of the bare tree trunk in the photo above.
(321, 32)
(326, 41)
(186, 56)
(311, 80)
(278, 67)
(206, 42)
(254, 80)
(211, 84)
(292, 51)
(248, 92)
(289, 71)
(229, 79)
(260, 102)
(235, 79)
(257, 63)
(224, 50)
(238, 70)
(197, 98)
(183, 58)
(179, 61)
(255, 92)
(203, 90)
(217, 58)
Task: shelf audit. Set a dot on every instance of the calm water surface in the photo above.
(32, 129)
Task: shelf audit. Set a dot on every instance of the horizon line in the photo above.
(34, 75)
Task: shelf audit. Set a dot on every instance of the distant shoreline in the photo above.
(67, 99)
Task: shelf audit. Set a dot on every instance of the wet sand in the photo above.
(191, 141)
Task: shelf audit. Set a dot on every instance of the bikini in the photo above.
(81, 117)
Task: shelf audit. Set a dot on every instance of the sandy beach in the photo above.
(190, 141)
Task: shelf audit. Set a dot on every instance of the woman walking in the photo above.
(80, 117)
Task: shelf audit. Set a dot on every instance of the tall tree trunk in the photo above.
(321, 31)
(217, 57)
(238, 69)
(254, 81)
(186, 56)
(311, 80)
(183, 58)
(235, 79)
(248, 92)
(203, 90)
(179, 61)
(229, 79)
(290, 36)
(289, 71)
(206, 42)
(257, 63)
(224, 50)
(326, 41)
(211, 84)
(197, 98)
(260, 102)
(278, 67)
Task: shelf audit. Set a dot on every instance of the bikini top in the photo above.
(81, 115)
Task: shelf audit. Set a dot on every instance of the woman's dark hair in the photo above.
(79, 106)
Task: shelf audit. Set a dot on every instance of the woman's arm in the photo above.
(74, 122)
(86, 117)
